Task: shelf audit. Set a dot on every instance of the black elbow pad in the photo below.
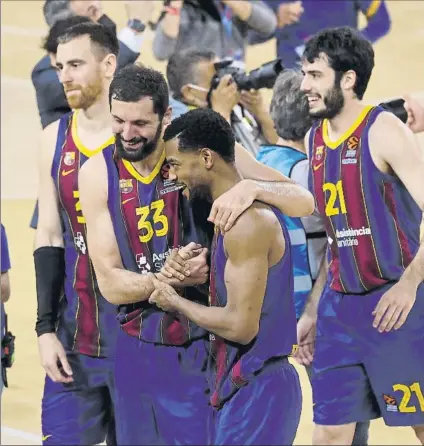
(50, 276)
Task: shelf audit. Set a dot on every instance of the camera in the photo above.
(262, 77)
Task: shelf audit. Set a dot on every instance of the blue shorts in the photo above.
(161, 393)
(81, 412)
(361, 374)
(264, 412)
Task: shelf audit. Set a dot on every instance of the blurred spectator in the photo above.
(290, 112)
(221, 26)
(59, 14)
(190, 74)
(415, 109)
(298, 20)
(5, 293)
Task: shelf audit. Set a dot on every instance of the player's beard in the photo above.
(333, 101)
(87, 95)
(200, 192)
(147, 148)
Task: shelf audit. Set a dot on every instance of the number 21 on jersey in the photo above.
(160, 221)
(335, 202)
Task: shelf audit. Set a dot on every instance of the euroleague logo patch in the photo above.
(352, 143)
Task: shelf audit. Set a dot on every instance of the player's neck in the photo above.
(97, 117)
(341, 123)
(146, 166)
(227, 178)
(297, 145)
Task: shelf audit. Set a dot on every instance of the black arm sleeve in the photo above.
(50, 275)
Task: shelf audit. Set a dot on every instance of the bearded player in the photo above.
(76, 329)
(136, 216)
(366, 173)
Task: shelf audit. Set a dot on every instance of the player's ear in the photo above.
(167, 117)
(207, 158)
(109, 65)
(348, 80)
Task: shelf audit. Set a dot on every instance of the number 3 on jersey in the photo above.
(335, 203)
(160, 221)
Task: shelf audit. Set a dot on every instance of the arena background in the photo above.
(399, 69)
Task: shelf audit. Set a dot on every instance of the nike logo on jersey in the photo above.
(67, 172)
(129, 199)
(45, 437)
(318, 166)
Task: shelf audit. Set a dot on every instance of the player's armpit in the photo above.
(394, 144)
(248, 246)
(49, 228)
(117, 285)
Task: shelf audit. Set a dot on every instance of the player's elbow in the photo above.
(5, 287)
(107, 286)
(303, 205)
(244, 333)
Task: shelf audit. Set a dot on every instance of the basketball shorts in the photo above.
(81, 412)
(161, 393)
(266, 411)
(361, 374)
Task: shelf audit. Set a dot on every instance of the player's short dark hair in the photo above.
(60, 28)
(134, 82)
(181, 68)
(346, 49)
(289, 107)
(203, 128)
(100, 36)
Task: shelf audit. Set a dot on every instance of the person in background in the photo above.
(5, 291)
(298, 20)
(51, 100)
(222, 26)
(290, 113)
(190, 75)
(415, 109)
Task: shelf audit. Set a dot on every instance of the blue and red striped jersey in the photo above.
(372, 221)
(232, 365)
(151, 216)
(87, 322)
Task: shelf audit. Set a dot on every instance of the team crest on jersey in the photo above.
(391, 405)
(319, 151)
(126, 186)
(143, 264)
(69, 158)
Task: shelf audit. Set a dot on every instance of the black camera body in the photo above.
(262, 77)
(397, 107)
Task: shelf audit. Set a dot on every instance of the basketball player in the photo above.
(76, 332)
(254, 389)
(135, 216)
(366, 173)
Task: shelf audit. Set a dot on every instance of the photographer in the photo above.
(222, 26)
(194, 80)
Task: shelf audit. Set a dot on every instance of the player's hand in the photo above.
(306, 331)
(177, 262)
(229, 206)
(394, 306)
(53, 358)
(164, 295)
(415, 114)
(289, 13)
(187, 267)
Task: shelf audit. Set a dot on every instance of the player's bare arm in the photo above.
(261, 183)
(395, 150)
(49, 259)
(117, 285)
(238, 321)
